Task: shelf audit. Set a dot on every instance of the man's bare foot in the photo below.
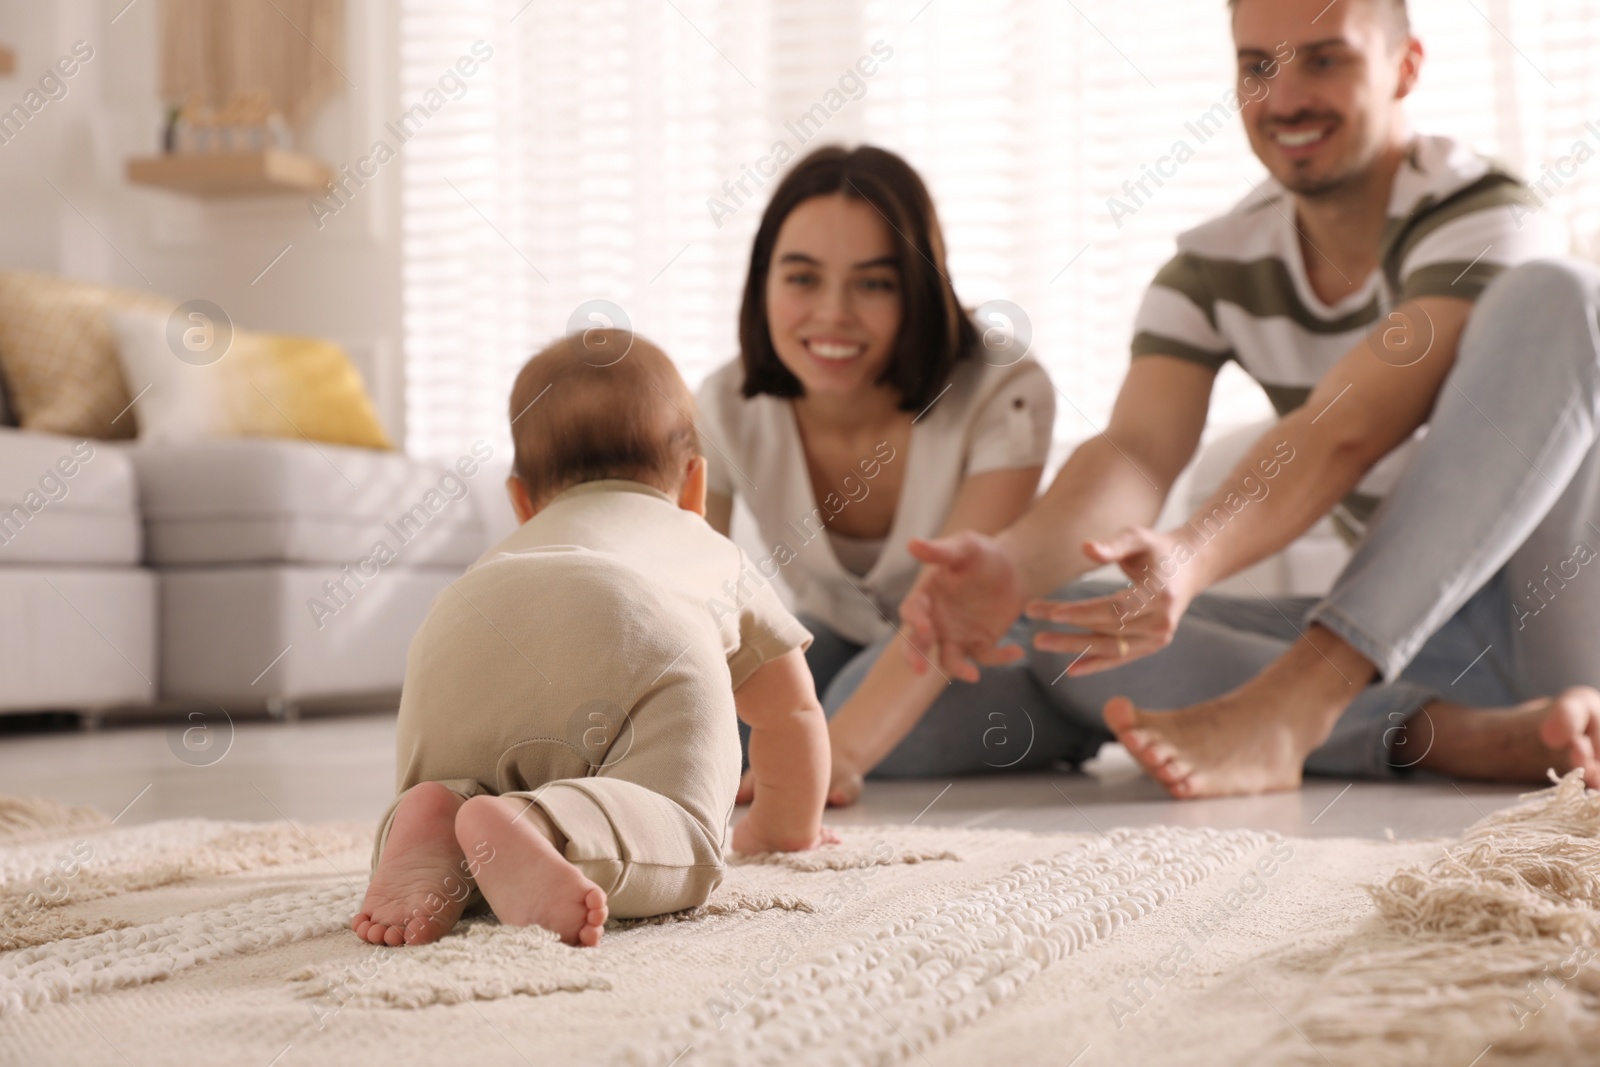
(1219, 748)
(1513, 744)
(419, 889)
(527, 881)
(1254, 739)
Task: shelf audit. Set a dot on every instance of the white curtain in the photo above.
(620, 150)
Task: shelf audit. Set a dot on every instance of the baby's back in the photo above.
(551, 645)
(541, 656)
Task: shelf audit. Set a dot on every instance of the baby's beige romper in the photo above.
(587, 664)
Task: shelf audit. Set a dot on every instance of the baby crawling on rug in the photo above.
(568, 735)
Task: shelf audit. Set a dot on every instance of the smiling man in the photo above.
(1438, 386)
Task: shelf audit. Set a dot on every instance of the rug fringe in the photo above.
(1490, 946)
(21, 816)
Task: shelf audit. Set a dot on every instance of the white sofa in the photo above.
(236, 574)
(79, 631)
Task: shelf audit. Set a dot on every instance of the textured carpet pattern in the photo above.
(907, 983)
(201, 942)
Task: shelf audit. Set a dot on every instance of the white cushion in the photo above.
(64, 500)
(272, 501)
(74, 638)
(175, 400)
(238, 636)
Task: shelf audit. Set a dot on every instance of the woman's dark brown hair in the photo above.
(934, 331)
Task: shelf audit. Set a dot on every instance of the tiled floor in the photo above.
(342, 767)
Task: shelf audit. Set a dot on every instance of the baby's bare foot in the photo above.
(526, 881)
(419, 889)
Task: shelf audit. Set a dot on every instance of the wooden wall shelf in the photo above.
(243, 174)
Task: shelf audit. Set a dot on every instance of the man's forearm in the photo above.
(1333, 440)
(1101, 489)
(1288, 480)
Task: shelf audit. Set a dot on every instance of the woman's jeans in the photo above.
(1000, 722)
(1477, 581)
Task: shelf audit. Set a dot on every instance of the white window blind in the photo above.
(621, 150)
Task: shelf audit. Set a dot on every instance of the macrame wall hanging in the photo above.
(282, 54)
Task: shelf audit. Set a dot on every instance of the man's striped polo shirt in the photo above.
(1238, 288)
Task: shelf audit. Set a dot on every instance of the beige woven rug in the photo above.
(205, 942)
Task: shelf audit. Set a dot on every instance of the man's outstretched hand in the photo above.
(962, 604)
(1130, 623)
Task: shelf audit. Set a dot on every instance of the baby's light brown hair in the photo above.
(581, 413)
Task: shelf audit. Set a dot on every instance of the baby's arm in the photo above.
(789, 757)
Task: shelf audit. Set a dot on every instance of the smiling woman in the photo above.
(865, 410)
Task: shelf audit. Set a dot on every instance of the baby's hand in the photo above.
(843, 791)
(749, 841)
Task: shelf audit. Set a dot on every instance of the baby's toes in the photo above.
(382, 934)
(421, 930)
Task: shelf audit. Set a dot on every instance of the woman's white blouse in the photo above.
(989, 418)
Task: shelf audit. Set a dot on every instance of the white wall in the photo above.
(341, 282)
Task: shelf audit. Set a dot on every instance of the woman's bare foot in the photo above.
(528, 882)
(1254, 739)
(1515, 744)
(419, 889)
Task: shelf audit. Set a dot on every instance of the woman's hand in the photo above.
(1130, 623)
(962, 604)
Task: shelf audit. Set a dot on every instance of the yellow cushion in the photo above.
(64, 374)
(58, 356)
(301, 387)
(262, 385)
